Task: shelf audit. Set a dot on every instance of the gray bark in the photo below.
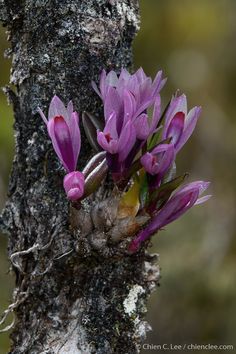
(76, 292)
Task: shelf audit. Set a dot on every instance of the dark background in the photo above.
(194, 42)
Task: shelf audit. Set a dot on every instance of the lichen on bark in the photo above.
(73, 287)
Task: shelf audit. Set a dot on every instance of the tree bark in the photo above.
(76, 292)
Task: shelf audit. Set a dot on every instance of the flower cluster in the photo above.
(136, 146)
(127, 126)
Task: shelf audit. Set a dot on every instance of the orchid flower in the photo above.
(179, 124)
(177, 205)
(63, 129)
(158, 161)
(127, 126)
(142, 89)
(143, 126)
(113, 142)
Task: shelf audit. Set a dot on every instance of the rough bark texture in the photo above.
(76, 292)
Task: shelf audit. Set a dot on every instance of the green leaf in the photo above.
(154, 139)
(129, 203)
(165, 141)
(144, 192)
(162, 194)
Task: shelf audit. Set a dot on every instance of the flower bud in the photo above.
(74, 185)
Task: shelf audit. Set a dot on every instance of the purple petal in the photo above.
(112, 103)
(141, 76)
(176, 128)
(124, 74)
(70, 109)
(142, 108)
(57, 108)
(178, 204)
(164, 217)
(158, 83)
(177, 104)
(203, 199)
(167, 160)
(102, 141)
(75, 135)
(162, 84)
(184, 204)
(161, 148)
(147, 162)
(129, 105)
(142, 126)
(126, 140)
(110, 127)
(111, 79)
(102, 85)
(64, 143)
(190, 124)
(106, 143)
(74, 194)
(200, 185)
(132, 85)
(51, 133)
(145, 90)
(123, 82)
(64, 132)
(159, 160)
(156, 114)
(74, 185)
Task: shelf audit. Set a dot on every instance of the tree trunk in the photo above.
(75, 292)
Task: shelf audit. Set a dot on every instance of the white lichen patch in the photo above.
(132, 298)
(128, 12)
(33, 139)
(95, 30)
(141, 328)
(66, 341)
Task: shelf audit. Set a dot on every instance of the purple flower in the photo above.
(74, 185)
(179, 124)
(177, 205)
(127, 126)
(129, 94)
(143, 126)
(158, 161)
(115, 143)
(63, 129)
(142, 90)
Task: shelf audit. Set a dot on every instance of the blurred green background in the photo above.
(194, 42)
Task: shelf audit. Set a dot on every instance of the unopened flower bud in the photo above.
(74, 185)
